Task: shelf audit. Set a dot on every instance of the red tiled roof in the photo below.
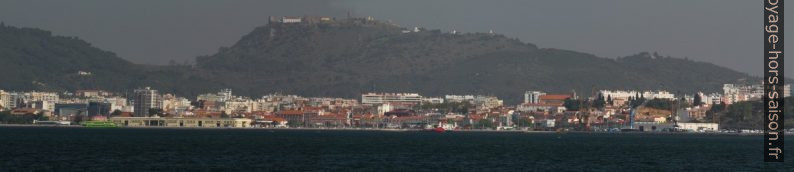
(273, 118)
(125, 114)
(290, 112)
(554, 97)
(23, 111)
(542, 104)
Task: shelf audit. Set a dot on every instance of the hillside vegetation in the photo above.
(347, 57)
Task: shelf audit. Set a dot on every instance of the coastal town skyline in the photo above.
(661, 109)
(538, 111)
(386, 85)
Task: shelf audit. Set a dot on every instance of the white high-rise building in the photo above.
(5, 98)
(532, 96)
(10, 100)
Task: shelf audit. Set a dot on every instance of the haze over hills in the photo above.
(347, 57)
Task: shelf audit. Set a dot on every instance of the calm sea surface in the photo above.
(127, 149)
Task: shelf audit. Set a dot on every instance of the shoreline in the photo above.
(386, 130)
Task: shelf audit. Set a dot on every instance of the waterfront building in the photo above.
(296, 117)
(39, 100)
(77, 109)
(144, 100)
(24, 111)
(11, 100)
(182, 122)
(4, 99)
(270, 121)
(701, 127)
(42, 105)
(116, 103)
(655, 126)
(98, 109)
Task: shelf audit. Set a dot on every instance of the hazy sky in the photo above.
(724, 32)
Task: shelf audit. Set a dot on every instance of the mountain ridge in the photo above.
(345, 58)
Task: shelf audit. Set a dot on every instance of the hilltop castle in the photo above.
(313, 19)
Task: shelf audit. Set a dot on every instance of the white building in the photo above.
(698, 126)
(42, 96)
(4, 96)
(716, 98)
(733, 93)
(43, 100)
(238, 105)
(619, 94)
(380, 98)
(480, 101)
(291, 19)
(116, 103)
(435, 100)
(10, 100)
(540, 107)
(175, 105)
(458, 98)
(43, 105)
(221, 96)
(332, 103)
(532, 96)
(736, 93)
(487, 102)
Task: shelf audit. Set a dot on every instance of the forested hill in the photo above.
(347, 57)
(34, 59)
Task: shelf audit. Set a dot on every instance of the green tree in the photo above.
(486, 124)
(657, 103)
(155, 111)
(697, 100)
(713, 113)
(599, 102)
(572, 104)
